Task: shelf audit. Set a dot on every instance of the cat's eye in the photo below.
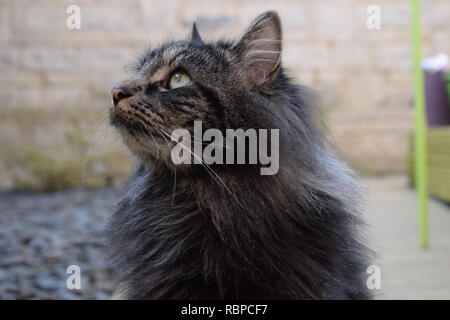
(179, 79)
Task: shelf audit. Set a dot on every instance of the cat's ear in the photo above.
(258, 53)
(195, 35)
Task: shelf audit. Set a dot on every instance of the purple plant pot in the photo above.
(437, 100)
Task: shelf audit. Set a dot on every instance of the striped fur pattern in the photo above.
(226, 232)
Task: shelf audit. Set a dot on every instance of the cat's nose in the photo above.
(119, 93)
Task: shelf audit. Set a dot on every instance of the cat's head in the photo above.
(224, 84)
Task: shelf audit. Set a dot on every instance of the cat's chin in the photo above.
(145, 151)
(143, 148)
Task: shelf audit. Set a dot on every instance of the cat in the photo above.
(226, 231)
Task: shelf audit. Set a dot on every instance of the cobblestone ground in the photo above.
(42, 234)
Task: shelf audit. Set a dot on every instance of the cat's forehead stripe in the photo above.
(163, 58)
(170, 54)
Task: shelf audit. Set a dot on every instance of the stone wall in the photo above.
(55, 82)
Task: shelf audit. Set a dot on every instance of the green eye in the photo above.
(179, 79)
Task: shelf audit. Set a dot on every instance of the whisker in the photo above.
(154, 140)
(96, 137)
(175, 174)
(208, 168)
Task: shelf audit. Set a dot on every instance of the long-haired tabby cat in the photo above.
(226, 231)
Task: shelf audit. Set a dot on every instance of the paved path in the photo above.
(407, 271)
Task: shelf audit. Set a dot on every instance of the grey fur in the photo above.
(187, 232)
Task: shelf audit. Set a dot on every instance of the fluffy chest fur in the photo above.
(272, 243)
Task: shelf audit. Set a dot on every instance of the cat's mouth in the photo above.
(123, 121)
(117, 119)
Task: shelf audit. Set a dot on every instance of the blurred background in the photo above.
(60, 166)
